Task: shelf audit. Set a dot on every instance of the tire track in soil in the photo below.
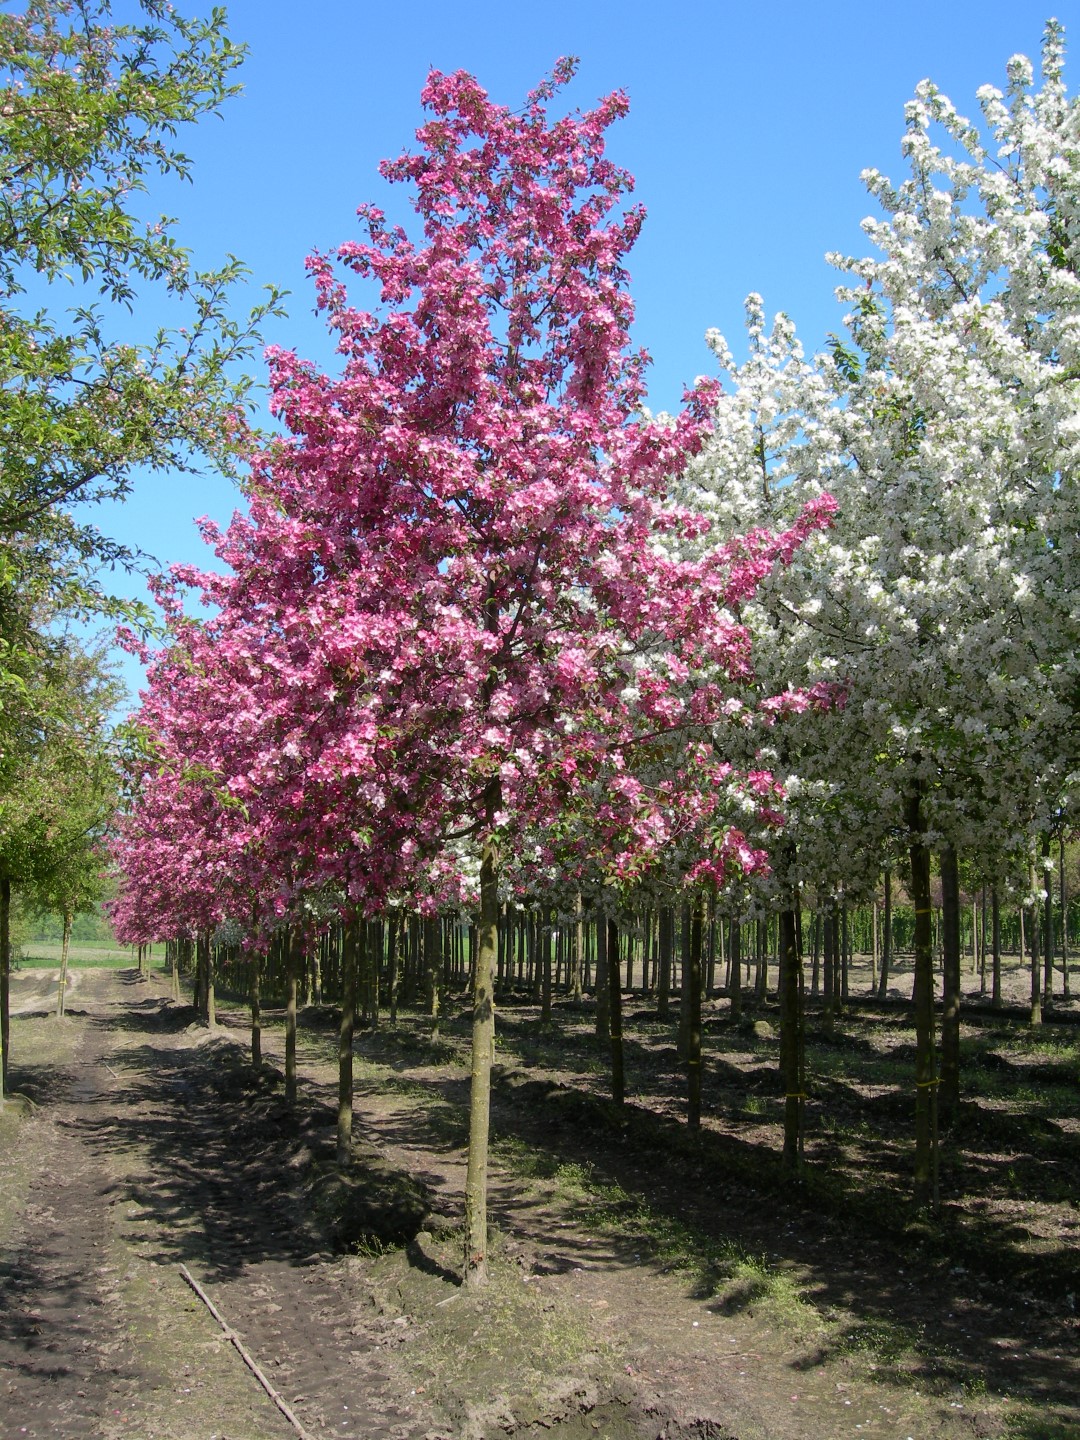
(135, 1170)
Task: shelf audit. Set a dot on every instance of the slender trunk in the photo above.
(949, 1091)
(828, 928)
(432, 971)
(682, 1044)
(5, 983)
(845, 954)
(579, 948)
(256, 1010)
(483, 1044)
(667, 945)
(874, 947)
(886, 938)
(545, 963)
(995, 928)
(1064, 921)
(393, 947)
(735, 987)
(293, 961)
(345, 1041)
(926, 1080)
(692, 1002)
(603, 993)
(1048, 928)
(791, 993)
(175, 970)
(61, 988)
(211, 1004)
(618, 1073)
(1036, 985)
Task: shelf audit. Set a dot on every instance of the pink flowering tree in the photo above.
(452, 621)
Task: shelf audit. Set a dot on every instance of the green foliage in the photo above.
(89, 110)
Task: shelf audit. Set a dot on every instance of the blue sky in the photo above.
(748, 129)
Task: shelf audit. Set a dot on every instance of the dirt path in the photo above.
(152, 1146)
(121, 1174)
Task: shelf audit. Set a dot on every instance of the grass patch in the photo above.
(718, 1268)
(46, 955)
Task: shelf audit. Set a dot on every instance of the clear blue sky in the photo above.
(748, 129)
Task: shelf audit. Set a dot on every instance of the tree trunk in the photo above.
(667, 944)
(692, 1002)
(293, 961)
(545, 964)
(393, 947)
(1048, 928)
(926, 1080)
(618, 1072)
(5, 983)
(483, 1044)
(886, 938)
(579, 949)
(995, 941)
(1064, 921)
(345, 1041)
(256, 1010)
(949, 1091)
(828, 951)
(61, 988)
(603, 994)
(791, 997)
(735, 987)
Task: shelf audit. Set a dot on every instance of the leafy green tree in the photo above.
(90, 110)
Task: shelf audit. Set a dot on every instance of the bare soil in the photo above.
(646, 1283)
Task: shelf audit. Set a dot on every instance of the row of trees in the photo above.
(491, 631)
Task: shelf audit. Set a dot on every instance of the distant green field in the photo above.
(46, 953)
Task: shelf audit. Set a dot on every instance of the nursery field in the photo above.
(646, 1282)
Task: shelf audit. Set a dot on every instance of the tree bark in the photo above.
(995, 927)
(618, 1072)
(692, 1002)
(926, 1080)
(255, 1000)
(1048, 928)
(61, 987)
(791, 997)
(667, 944)
(886, 938)
(5, 983)
(345, 1041)
(483, 1043)
(293, 961)
(603, 994)
(949, 1091)
(735, 986)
